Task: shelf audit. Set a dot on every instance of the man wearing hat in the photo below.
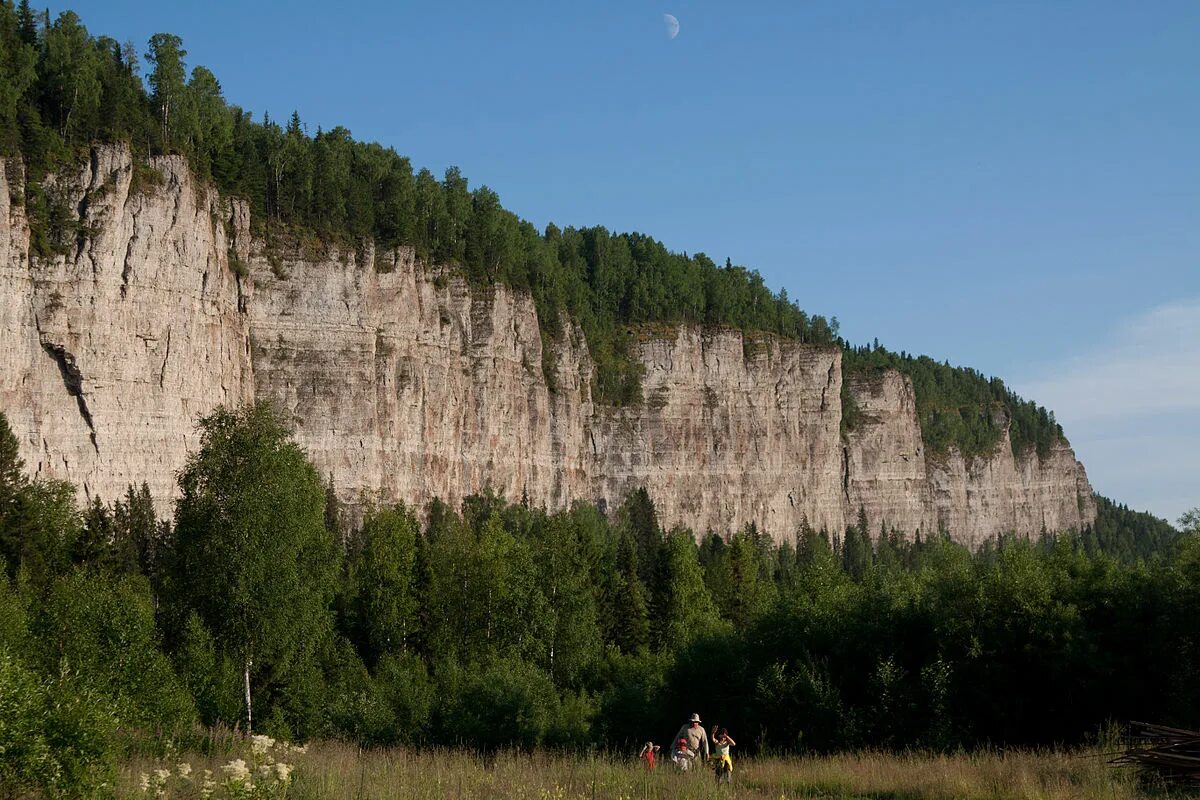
(696, 736)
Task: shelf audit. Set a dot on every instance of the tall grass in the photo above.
(344, 772)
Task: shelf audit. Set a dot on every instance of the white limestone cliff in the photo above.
(112, 349)
(404, 383)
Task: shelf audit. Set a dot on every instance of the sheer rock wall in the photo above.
(404, 383)
(109, 351)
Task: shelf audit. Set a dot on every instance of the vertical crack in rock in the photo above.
(828, 383)
(176, 190)
(73, 380)
(81, 230)
(243, 306)
(162, 372)
(127, 265)
(846, 474)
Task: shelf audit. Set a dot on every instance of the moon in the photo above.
(672, 26)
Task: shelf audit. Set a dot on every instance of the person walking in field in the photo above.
(649, 754)
(695, 736)
(722, 760)
(682, 755)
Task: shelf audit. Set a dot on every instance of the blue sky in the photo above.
(1009, 185)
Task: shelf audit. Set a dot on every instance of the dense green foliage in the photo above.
(1129, 535)
(501, 625)
(56, 733)
(959, 406)
(251, 556)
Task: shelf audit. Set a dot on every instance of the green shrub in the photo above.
(510, 703)
(404, 683)
(210, 677)
(104, 628)
(56, 735)
(13, 630)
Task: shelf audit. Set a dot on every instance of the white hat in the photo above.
(695, 718)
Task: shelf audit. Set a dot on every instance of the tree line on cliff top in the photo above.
(62, 89)
(497, 625)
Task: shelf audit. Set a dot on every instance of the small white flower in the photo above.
(236, 770)
(264, 771)
(283, 771)
(185, 769)
(161, 776)
(261, 744)
(144, 782)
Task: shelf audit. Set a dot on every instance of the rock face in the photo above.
(885, 468)
(404, 383)
(891, 477)
(406, 387)
(110, 350)
(731, 432)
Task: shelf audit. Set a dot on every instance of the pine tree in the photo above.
(70, 79)
(639, 516)
(27, 22)
(18, 75)
(683, 608)
(857, 553)
(333, 510)
(209, 123)
(12, 468)
(138, 541)
(629, 622)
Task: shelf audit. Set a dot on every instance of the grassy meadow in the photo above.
(342, 772)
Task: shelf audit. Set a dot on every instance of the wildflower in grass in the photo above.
(236, 770)
(264, 771)
(283, 771)
(261, 744)
(157, 781)
(144, 782)
(208, 785)
(184, 769)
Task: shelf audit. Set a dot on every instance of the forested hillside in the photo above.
(61, 89)
(1130, 535)
(958, 406)
(496, 625)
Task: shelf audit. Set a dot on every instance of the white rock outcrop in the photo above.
(111, 350)
(404, 383)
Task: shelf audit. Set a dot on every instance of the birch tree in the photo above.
(254, 558)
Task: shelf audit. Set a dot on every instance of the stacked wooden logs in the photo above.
(1171, 755)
